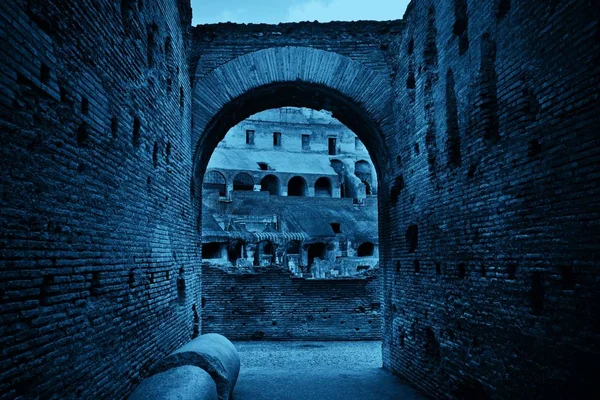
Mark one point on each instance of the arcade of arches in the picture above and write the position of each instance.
(480, 119)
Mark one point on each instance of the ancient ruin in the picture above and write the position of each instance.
(480, 119)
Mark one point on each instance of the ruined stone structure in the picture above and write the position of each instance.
(271, 196)
(481, 120)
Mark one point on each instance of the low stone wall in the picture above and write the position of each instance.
(272, 304)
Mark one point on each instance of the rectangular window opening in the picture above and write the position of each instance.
(276, 139)
(305, 142)
(249, 137)
(332, 146)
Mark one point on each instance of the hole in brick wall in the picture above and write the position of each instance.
(195, 322)
(95, 284)
(80, 167)
(44, 74)
(567, 277)
(181, 97)
(453, 136)
(461, 24)
(412, 237)
(511, 271)
(402, 339)
(410, 81)
(155, 155)
(417, 149)
(398, 265)
(397, 187)
(82, 134)
(169, 85)
(461, 270)
(203, 302)
(488, 96)
(535, 148)
(114, 127)
(399, 161)
(63, 94)
(538, 293)
(149, 181)
(483, 270)
(411, 46)
(45, 290)
(131, 278)
(168, 151)
(417, 265)
(432, 346)
(181, 285)
(127, 12)
(136, 132)
(502, 8)
(438, 268)
(431, 146)
(168, 48)
(85, 106)
(430, 53)
(151, 43)
(472, 170)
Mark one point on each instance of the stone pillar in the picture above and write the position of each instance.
(310, 192)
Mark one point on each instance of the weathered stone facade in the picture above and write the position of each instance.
(481, 118)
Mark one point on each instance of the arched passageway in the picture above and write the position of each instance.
(297, 186)
(362, 169)
(214, 180)
(365, 249)
(323, 187)
(270, 183)
(243, 182)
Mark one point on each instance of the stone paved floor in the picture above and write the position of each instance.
(316, 371)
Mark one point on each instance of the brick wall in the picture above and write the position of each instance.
(497, 152)
(273, 304)
(99, 259)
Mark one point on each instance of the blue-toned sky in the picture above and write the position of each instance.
(275, 11)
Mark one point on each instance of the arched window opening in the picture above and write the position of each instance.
(264, 254)
(365, 249)
(214, 180)
(316, 250)
(362, 170)
(297, 186)
(235, 251)
(243, 181)
(323, 188)
(270, 183)
(211, 250)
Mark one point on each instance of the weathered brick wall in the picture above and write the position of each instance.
(366, 42)
(273, 304)
(99, 256)
(493, 290)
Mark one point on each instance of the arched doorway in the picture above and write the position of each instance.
(270, 183)
(214, 180)
(316, 250)
(243, 182)
(365, 249)
(323, 187)
(362, 169)
(297, 186)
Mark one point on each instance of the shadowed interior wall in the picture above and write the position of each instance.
(100, 263)
(496, 293)
(272, 304)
